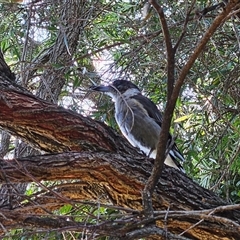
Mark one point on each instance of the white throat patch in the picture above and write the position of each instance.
(127, 94)
(131, 92)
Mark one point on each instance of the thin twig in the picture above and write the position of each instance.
(172, 102)
(139, 37)
(184, 26)
(168, 43)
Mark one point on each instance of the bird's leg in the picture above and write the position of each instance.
(170, 144)
(140, 151)
(150, 152)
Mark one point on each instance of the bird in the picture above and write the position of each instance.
(140, 120)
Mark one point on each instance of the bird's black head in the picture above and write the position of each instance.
(118, 87)
(123, 85)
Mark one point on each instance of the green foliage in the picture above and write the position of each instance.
(206, 114)
(206, 119)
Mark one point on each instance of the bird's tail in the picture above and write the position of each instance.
(177, 157)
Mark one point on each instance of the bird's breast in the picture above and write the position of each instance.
(136, 125)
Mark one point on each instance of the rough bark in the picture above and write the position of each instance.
(119, 179)
(52, 128)
(61, 53)
(52, 80)
(105, 165)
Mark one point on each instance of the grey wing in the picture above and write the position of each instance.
(151, 108)
(154, 113)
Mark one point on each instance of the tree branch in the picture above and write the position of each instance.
(119, 179)
(171, 103)
(159, 161)
(52, 128)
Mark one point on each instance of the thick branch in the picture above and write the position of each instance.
(120, 178)
(125, 174)
(52, 128)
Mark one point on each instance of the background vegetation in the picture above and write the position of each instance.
(58, 49)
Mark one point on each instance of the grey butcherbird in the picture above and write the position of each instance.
(139, 120)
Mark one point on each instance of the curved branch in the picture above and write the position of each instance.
(52, 128)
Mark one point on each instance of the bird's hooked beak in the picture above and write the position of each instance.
(109, 90)
(101, 88)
